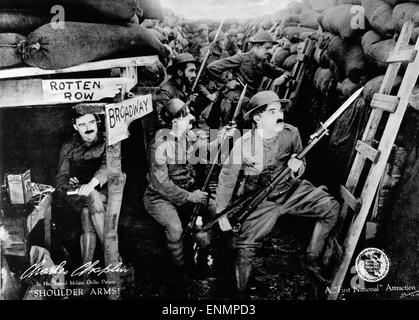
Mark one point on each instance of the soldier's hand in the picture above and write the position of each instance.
(232, 84)
(294, 164)
(85, 189)
(249, 161)
(224, 224)
(282, 79)
(198, 196)
(229, 131)
(192, 97)
(74, 183)
(212, 97)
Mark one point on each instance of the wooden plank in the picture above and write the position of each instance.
(368, 193)
(367, 151)
(353, 203)
(385, 102)
(29, 92)
(407, 55)
(89, 66)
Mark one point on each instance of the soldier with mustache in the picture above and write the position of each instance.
(261, 153)
(82, 167)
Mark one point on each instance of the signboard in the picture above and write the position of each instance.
(78, 90)
(120, 115)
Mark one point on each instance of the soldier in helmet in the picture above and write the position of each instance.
(261, 153)
(249, 68)
(172, 191)
(232, 42)
(208, 86)
(199, 41)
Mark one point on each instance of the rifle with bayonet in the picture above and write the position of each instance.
(239, 211)
(195, 213)
(206, 57)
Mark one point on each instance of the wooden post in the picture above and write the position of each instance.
(116, 183)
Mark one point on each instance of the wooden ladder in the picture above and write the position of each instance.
(396, 107)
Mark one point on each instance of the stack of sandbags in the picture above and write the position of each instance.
(377, 49)
(349, 57)
(122, 10)
(379, 15)
(21, 21)
(9, 49)
(340, 21)
(79, 42)
(280, 55)
(322, 5)
(407, 12)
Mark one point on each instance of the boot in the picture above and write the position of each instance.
(312, 260)
(242, 281)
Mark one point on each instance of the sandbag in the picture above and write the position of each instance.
(338, 21)
(379, 14)
(80, 42)
(324, 80)
(290, 62)
(279, 56)
(396, 2)
(9, 49)
(118, 10)
(290, 20)
(295, 7)
(346, 88)
(308, 18)
(406, 12)
(22, 22)
(295, 32)
(373, 86)
(322, 5)
(152, 9)
(349, 57)
(376, 49)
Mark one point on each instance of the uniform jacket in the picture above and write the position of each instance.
(270, 157)
(169, 89)
(82, 160)
(171, 174)
(248, 67)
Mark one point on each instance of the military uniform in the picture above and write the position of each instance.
(291, 196)
(170, 89)
(84, 161)
(171, 179)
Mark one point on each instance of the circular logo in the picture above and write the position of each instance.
(372, 264)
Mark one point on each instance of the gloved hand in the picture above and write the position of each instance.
(295, 164)
(224, 224)
(232, 84)
(197, 196)
(212, 97)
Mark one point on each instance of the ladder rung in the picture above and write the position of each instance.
(367, 151)
(385, 102)
(407, 55)
(353, 203)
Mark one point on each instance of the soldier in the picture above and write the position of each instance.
(199, 41)
(172, 191)
(208, 86)
(249, 68)
(232, 42)
(82, 166)
(274, 143)
(183, 70)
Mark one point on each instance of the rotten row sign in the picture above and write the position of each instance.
(77, 90)
(120, 115)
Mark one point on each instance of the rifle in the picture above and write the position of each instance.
(195, 212)
(239, 211)
(206, 57)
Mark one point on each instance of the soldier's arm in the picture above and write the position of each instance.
(272, 71)
(228, 177)
(162, 99)
(297, 147)
(159, 177)
(219, 66)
